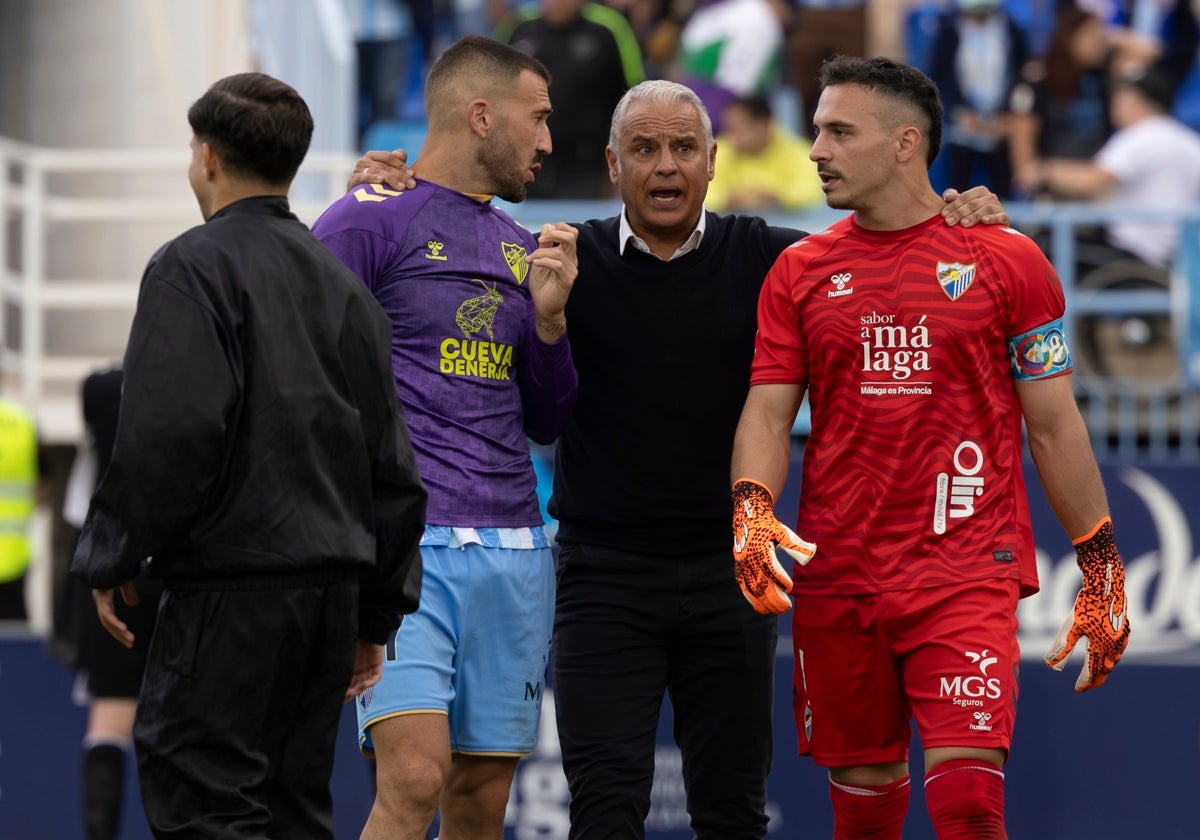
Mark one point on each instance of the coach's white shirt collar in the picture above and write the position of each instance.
(627, 237)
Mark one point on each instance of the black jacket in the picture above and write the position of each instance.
(663, 351)
(260, 440)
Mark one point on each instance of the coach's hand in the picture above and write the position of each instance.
(756, 533)
(368, 668)
(978, 205)
(1101, 611)
(390, 168)
(106, 609)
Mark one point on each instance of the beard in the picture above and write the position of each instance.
(498, 156)
(841, 202)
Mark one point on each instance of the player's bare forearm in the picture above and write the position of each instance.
(762, 444)
(1062, 452)
(1070, 478)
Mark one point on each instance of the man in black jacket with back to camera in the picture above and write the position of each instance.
(262, 463)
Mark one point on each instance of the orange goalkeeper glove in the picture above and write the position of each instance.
(756, 533)
(1101, 610)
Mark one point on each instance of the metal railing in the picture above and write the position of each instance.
(59, 204)
(61, 207)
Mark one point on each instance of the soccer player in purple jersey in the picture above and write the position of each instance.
(922, 349)
(482, 364)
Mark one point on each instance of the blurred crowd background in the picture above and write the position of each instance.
(1020, 79)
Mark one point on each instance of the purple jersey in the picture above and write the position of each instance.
(473, 376)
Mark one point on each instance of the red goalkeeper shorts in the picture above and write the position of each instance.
(866, 665)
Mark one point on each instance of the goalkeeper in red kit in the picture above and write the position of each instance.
(923, 350)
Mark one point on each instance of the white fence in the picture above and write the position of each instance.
(78, 229)
(80, 225)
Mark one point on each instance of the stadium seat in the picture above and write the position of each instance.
(396, 134)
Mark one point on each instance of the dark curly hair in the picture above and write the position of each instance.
(896, 81)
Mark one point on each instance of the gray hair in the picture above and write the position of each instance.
(658, 92)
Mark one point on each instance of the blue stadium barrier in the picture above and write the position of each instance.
(1119, 762)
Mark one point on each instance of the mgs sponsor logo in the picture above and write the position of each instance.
(971, 689)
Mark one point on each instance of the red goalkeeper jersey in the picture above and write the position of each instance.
(909, 343)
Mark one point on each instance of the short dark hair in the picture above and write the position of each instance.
(755, 105)
(257, 125)
(484, 58)
(1151, 82)
(896, 81)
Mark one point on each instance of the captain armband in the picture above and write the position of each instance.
(1039, 353)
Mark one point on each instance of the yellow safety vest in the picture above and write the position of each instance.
(18, 487)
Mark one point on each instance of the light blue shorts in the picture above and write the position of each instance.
(475, 649)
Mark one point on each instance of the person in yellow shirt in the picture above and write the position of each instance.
(763, 165)
(18, 497)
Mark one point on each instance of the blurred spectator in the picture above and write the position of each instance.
(593, 58)
(976, 62)
(731, 48)
(394, 42)
(1151, 160)
(1060, 107)
(1149, 30)
(656, 25)
(19, 472)
(763, 164)
(109, 676)
(817, 30)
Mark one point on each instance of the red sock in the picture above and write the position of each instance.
(869, 812)
(965, 798)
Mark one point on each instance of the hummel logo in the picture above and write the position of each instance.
(840, 281)
(981, 722)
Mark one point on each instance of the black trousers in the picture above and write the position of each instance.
(628, 628)
(237, 720)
